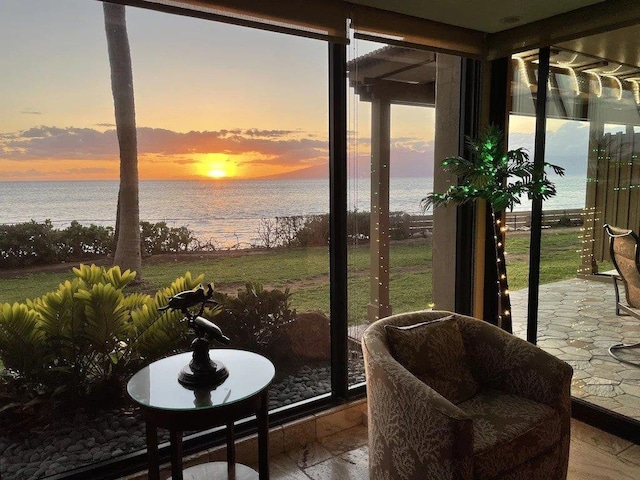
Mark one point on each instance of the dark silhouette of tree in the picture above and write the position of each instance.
(500, 178)
(127, 253)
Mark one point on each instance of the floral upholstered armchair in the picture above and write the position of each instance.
(452, 397)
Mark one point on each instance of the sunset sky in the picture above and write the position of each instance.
(212, 100)
(209, 97)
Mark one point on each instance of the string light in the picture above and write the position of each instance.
(617, 80)
(565, 64)
(574, 78)
(636, 89)
(599, 93)
(523, 71)
(611, 71)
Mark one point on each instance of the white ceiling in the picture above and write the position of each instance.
(488, 16)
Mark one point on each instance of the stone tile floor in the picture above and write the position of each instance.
(577, 323)
(595, 455)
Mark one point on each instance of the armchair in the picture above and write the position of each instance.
(505, 414)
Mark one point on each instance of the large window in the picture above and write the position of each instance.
(232, 155)
(235, 130)
(391, 158)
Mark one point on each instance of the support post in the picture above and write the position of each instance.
(447, 144)
(379, 306)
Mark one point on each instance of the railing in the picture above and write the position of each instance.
(422, 225)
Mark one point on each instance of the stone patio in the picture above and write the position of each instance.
(577, 323)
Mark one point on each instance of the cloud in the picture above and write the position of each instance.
(30, 111)
(288, 149)
(274, 147)
(567, 146)
(32, 172)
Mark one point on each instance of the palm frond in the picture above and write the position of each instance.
(22, 343)
(500, 177)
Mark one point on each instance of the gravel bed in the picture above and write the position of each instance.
(98, 435)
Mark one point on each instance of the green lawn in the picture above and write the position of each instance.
(306, 272)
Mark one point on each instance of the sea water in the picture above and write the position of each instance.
(226, 212)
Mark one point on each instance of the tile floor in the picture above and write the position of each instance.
(577, 323)
(595, 455)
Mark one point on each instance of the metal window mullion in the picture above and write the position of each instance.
(338, 218)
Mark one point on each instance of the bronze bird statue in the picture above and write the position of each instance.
(189, 298)
(203, 326)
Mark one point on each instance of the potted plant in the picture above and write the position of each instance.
(501, 178)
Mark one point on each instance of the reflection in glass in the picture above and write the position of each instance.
(592, 119)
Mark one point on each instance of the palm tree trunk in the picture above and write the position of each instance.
(127, 254)
(504, 300)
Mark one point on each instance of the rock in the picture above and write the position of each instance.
(308, 336)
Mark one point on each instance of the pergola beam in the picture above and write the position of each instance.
(420, 94)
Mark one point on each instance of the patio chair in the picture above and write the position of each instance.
(451, 397)
(623, 250)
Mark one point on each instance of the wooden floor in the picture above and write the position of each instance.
(595, 455)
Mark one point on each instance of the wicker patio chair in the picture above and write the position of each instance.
(624, 251)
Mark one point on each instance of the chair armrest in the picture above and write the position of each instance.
(414, 432)
(503, 361)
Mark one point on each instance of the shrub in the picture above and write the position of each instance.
(311, 230)
(253, 318)
(156, 238)
(30, 243)
(314, 232)
(81, 242)
(399, 226)
(89, 335)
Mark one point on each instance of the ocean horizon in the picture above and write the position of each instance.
(226, 212)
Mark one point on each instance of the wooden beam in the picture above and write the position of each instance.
(397, 28)
(399, 92)
(590, 20)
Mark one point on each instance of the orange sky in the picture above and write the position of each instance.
(212, 100)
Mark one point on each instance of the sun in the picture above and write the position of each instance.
(216, 173)
(215, 166)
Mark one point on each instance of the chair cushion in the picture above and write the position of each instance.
(434, 352)
(508, 430)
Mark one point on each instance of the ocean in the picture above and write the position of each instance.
(228, 212)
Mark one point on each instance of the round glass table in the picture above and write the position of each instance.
(167, 404)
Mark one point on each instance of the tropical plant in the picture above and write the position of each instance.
(89, 335)
(254, 317)
(159, 238)
(501, 178)
(127, 251)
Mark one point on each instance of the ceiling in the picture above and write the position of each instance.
(615, 38)
(480, 14)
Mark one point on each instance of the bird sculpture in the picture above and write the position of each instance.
(202, 371)
(189, 298)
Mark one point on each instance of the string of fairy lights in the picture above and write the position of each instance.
(504, 300)
(616, 76)
(614, 166)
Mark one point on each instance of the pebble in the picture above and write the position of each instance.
(87, 438)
